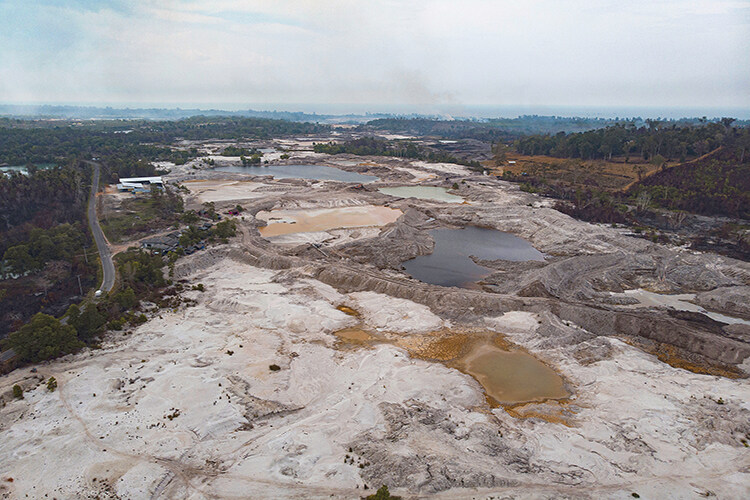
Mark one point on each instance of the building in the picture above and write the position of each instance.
(8, 361)
(162, 244)
(140, 184)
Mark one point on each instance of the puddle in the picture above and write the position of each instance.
(306, 221)
(353, 335)
(313, 172)
(512, 377)
(422, 193)
(450, 264)
(508, 376)
(679, 302)
(348, 310)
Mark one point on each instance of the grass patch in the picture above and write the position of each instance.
(141, 216)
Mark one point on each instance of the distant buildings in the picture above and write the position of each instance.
(140, 184)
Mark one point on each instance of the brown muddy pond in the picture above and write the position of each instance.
(322, 219)
(353, 335)
(508, 377)
(511, 377)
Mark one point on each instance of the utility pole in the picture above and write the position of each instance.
(79, 284)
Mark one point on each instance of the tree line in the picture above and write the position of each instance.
(27, 141)
(672, 142)
(375, 146)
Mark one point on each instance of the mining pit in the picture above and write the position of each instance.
(314, 366)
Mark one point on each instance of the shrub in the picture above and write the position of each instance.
(17, 392)
(274, 368)
(138, 319)
(115, 324)
(51, 384)
(383, 494)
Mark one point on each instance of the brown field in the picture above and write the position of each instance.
(613, 175)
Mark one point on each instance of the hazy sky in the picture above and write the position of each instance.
(419, 53)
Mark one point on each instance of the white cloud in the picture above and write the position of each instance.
(421, 52)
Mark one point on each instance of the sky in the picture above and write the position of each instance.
(374, 55)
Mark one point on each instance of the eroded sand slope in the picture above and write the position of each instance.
(168, 412)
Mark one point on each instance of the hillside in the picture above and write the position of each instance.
(717, 184)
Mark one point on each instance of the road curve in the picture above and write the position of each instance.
(105, 255)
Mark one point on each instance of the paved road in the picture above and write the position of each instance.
(108, 267)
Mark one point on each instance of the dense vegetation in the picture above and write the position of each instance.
(43, 239)
(46, 337)
(374, 146)
(504, 128)
(61, 242)
(23, 141)
(712, 184)
(444, 129)
(669, 142)
(41, 199)
(43, 338)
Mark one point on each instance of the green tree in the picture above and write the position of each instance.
(225, 229)
(73, 313)
(42, 338)
(126, 299)
(89, 323)
(190, 217)
(382, 494)
(190, 236)
(17, 392)
(210, 210)
(19, 260)
(51, 384)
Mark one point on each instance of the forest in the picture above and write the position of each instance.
(494, 129)
(24, 141)
(669, 141)
(374, 146)
(44, 240)
(712, 178)
(42, 199)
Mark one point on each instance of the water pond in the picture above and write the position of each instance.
(422, 193)
(313, 172)
(450, 264)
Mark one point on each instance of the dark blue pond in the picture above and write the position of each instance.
(450, 265)
(314, 172)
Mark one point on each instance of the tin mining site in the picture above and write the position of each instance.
(385, 321)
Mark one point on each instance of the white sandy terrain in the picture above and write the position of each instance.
(331, 237)
(445, 168)
(186, 406)
(419, 175)
(281, 222)
(219, 190)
